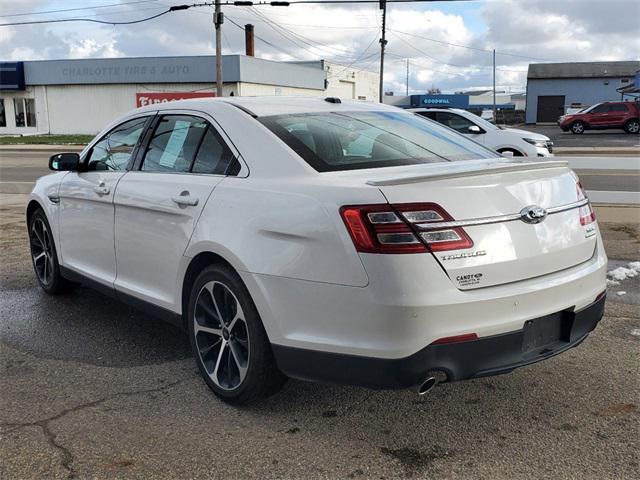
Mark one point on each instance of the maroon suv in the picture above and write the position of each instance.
(624, 115)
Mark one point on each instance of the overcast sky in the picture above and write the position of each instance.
(448, 44)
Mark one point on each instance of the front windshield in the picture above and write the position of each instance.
(331, 141)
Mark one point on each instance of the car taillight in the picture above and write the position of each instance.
(587, 215)
(400, 228)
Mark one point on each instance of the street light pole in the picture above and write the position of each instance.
(218, 19)
(383, 44)
(407, 77)
(495, 115)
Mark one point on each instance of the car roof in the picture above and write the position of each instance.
(275, 105)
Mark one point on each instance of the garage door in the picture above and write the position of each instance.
(346, 90)
(550, 107)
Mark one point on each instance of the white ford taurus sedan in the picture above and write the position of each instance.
(324, 240)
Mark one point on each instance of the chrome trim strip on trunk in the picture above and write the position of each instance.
(497, 219)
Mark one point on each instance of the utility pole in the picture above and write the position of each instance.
(383, 44)
(407, 77)
(218, 20)
(495, 115)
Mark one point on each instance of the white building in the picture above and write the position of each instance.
(82, 96)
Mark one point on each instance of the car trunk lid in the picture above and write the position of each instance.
(524, 219)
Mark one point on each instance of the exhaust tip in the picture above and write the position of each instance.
(427, 385)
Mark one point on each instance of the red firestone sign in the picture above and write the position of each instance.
(143, 99)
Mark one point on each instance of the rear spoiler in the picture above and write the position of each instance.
(462, 169)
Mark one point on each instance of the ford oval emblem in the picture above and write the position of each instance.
(533, 214)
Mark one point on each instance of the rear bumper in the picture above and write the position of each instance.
(492, 355)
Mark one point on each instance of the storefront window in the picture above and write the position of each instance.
(25, 109)
(3, 116)
(30, 105)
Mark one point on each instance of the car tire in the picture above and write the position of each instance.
(44, 256)
(229, 342)
(632, 126)
(578, 128)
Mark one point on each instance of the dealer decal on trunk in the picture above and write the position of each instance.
(471, 279)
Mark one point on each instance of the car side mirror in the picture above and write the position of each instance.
(474, 129)
(64, 162)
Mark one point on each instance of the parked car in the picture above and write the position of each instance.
(502, 140)
(323, 240)
(605, 115)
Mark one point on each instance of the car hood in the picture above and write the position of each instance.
(527, 134)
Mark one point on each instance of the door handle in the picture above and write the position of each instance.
(101, 189)
(185, 200)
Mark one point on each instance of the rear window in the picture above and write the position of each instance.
(618, 107)
(356, 140)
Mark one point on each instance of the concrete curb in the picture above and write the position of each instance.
(634, 151)
(617, 213)
(41, 148)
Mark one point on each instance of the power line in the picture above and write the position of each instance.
(360, 58)
(29, 14)
(298, 37)
(267, 42)
(93, 20)
(468, 47)
(453, 64)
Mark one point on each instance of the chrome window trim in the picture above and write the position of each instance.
(496, 219)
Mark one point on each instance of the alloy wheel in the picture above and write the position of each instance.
(633, 127)
(221, 335)
(578, 127)
(42, 251)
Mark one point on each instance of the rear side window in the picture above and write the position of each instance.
(331, 141)
(174, 144)
(618, 107)
(214, 156)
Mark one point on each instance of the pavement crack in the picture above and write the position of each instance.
(45, 424)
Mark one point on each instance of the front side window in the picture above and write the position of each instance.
(3, 115)
(115, 149)
(356, 140)
(603, 108)
(25, 110)
(174, 144)
(457, 122)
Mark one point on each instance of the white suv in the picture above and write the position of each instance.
(502, 140)
(323, 240)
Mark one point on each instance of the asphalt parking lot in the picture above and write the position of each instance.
(90, 388)
(590, 138)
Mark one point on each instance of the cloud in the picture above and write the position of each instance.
(567, 30)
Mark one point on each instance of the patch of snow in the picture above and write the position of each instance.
(622, 273)
(621, 292)
(635, 332)
(611, 283)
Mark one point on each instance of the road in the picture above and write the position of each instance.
(591, 138)
(28, 166)
(90, 388)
